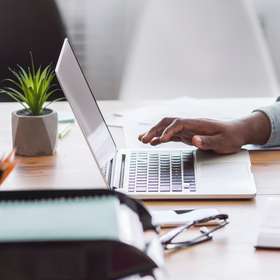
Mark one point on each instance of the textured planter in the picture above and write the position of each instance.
(34, 135)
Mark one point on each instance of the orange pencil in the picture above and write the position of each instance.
(7, 165)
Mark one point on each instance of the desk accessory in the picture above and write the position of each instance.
(34, 127)
(7, 165)
(64, 129)
(66, 121)
(66, 118)
(75, 234)
(171, 218)
(167, 239)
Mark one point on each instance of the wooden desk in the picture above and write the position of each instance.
(231, 255)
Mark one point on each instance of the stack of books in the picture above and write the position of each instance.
(7, 164)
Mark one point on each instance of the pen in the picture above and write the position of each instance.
(63, 121)
(118, 115)
(64, 131)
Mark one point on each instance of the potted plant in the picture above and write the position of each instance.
(34, 127)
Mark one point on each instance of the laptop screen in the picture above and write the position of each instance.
(84, 106)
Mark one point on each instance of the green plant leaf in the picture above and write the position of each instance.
(14, 91)
(32, 87)
(15, 97)
(13, 82)
(56, 100)
(32, 63)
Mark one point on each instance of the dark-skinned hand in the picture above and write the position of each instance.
(223, 137)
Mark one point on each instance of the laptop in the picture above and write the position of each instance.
(150, 173)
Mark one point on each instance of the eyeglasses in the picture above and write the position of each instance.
(205, 233)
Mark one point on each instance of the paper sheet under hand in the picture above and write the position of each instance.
(260, 148)
(186, 107)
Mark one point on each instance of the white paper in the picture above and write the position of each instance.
(260, 148)
(269, 232)
(171, 218)
(66, 117)
(185, 107)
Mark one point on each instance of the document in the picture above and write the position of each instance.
(187, 107)
(171, 218)
(260, 148)
(269, 232)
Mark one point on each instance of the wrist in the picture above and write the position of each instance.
(255, 129)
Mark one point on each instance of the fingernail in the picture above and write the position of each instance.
(144, 137)
(155, 141)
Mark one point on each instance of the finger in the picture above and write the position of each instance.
(172, 130)
(190, 127)
(184, 136)
(156, 130)
(183, 140)
(141, 136)
(207, 142)
(155, 141)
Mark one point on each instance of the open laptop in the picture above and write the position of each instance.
(150, 174)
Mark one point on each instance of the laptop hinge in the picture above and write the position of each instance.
(122, 171)
(111, 172)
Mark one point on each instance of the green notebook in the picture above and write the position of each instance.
(68, 219)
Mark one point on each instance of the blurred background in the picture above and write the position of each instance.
(168, 48)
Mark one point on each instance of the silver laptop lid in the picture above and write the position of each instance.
(84, 106)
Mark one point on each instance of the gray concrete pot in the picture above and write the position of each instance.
(34, 135)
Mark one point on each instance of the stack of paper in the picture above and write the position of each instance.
(269, 232)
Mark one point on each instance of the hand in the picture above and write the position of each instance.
(218, 136)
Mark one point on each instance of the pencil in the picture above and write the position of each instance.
(7, 166)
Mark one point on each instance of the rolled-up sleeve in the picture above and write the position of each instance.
(273, 113)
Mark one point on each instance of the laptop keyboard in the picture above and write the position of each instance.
(162, 172)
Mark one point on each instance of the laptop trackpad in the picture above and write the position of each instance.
(219, 174)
